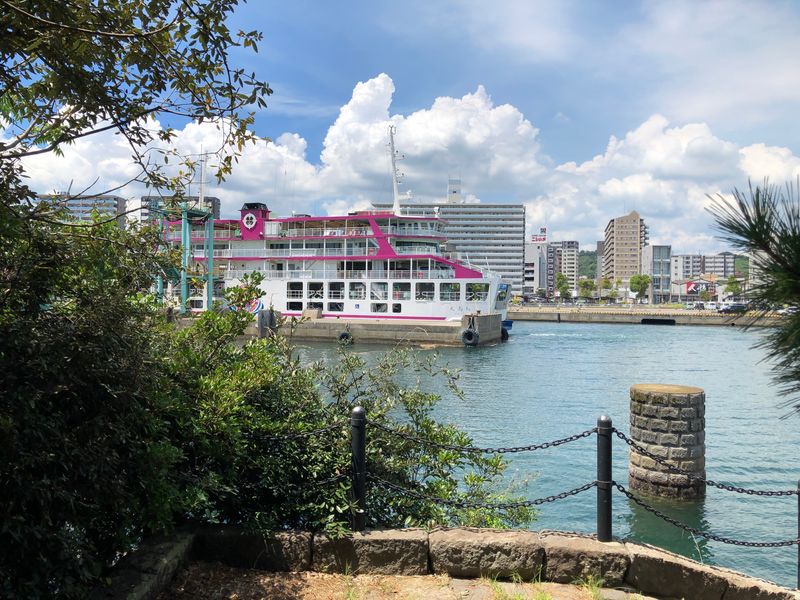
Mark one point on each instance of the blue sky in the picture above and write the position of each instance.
(580, 110)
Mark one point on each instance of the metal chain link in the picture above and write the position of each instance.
(698, 532)
(467, 504)
(298, 435)
(469, 449)
(640, 450)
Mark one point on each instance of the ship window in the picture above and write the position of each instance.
(313, 305)
(294, 289)
(335, 306)
(379, 307)
(450, 292)
(477, 292)
(425, 291)
(379, 290)
(294, 306)
(358, 290)
(336, 290)
(315, 289)
(396, 308)
(401, 291)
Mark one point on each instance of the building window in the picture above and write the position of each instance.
(379, 307)
(313, 305)
(294, 306)
(335, 306)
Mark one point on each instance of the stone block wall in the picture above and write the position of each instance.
(459, 552)
(668, 421)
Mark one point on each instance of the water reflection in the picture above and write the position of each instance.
(644, 526)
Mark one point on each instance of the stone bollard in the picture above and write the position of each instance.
(669, 422)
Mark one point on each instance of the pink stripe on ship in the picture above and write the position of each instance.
(340, 315)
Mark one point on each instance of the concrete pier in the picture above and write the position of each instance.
(669, 422)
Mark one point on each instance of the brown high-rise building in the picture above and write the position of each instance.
(622, 247)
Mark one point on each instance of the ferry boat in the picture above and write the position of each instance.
(367, 264)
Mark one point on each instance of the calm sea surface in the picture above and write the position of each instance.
(553, 380)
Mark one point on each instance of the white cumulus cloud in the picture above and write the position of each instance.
(665, 171)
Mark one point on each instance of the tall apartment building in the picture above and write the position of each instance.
(722, 265)
(81, 208)
(489, 236)
(534, 268)
(622, 247)
(687, 266)
(656, 262)
(562, 257)
(151, 205)
(601, 245)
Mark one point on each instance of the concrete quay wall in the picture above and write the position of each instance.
(457, 552)
(637, 315)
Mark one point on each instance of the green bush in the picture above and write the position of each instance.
(115, 425)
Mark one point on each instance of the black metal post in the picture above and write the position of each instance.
(604, 430)
(358, 446)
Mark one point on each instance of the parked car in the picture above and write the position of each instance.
(699, 306)
(711, 306)
(736, 308)
(789, 310)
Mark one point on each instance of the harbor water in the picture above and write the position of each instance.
(553, 380)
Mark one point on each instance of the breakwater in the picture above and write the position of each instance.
(639, 315)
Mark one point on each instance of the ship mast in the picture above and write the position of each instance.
(395, 175)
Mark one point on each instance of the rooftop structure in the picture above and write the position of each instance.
(82, 207)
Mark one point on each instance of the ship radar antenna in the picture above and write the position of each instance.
(396, 175)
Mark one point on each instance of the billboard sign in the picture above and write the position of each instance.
(541, 237)
(698, 287)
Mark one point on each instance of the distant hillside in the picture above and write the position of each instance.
(587, 264)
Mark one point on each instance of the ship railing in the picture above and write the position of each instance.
(408, 231)
(417, 250)
(325, 232)
(336, 294)
(449, 296)
(424, 296)
(294, 294)
(285, 252)
(331, 274)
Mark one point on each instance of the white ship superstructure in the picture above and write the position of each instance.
(371, 264)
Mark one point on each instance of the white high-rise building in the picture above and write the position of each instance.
(488, 236)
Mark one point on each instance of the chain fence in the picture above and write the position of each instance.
(486, 505)
(699, 532)
(476, 449)
(694, 476)
(604, 482)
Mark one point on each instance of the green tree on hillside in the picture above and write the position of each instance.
(764, 222)
(587, 264)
